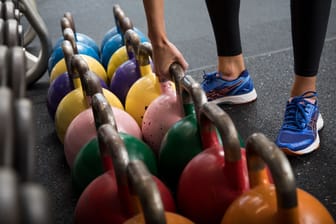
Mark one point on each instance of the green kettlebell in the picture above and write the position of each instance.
(89, 162)
(182, 141)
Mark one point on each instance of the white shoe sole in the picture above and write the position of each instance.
(239, 99)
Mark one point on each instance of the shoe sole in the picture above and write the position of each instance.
(314, 146)
(239, 99)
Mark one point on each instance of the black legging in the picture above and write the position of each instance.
(309, 20)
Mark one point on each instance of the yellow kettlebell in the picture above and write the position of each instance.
(145, 89)
(94, 65)
(86, 85)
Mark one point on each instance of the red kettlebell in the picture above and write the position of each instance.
(280, 202)
(164, 111)
(213, 179)
(107, 198)
(147, 198)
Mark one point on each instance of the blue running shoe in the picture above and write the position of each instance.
(299, 132)
(238, 91)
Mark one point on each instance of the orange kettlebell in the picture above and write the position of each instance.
(280, 202)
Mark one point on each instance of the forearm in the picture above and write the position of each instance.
(154, 10)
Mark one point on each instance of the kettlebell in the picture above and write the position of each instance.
(63, 84)
(117, 41)
(204, 194)
(146, 88)
(182, 140)
(128, 72)
(79, 37)
(57, 54)
(87, 165)
(118, 14)
(83, 125)
(79, 99)
(281, 202)
(164, 111)
(147, 198)
(93, 63)
(107, 198)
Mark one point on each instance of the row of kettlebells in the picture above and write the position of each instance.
(189, 143)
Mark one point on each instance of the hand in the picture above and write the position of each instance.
(164, 55)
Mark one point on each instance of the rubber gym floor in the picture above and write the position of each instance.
(266, 39)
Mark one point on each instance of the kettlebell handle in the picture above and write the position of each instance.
(132, 42)
(118, 14)
(102, 111)
(71, 20)
(113, 146)
(143, 186)
(211, 115)
(89, 81)
(68, 34)
(145, 52)
(261, 151)
(68, 52)
(191, 90)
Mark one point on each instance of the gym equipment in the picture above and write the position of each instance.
(145, 191)
(128, 72)
(182, 141)
(79, 37)
(84, 125)
(79, 99)
(63, 84)
(17, 189)
(87, 165)
(93, 64)
(164, 111)
(205, 194)
(81, 48)
(281, 202)
(146, 88)
(107, 199)
(117, 41)
(36, 65)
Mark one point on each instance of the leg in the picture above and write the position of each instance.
(231, 82)
(299, 132)
(309, 25)
(224, 16)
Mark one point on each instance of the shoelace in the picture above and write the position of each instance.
(296, 112)
(207, 78)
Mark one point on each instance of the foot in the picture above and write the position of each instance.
(299, 132)
(238, 91)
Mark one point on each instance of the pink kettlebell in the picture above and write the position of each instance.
(82, 129)
(164, 111)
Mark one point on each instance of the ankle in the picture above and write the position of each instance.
(230, 67)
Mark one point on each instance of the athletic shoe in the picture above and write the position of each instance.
(238, 91)
(299, 132)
